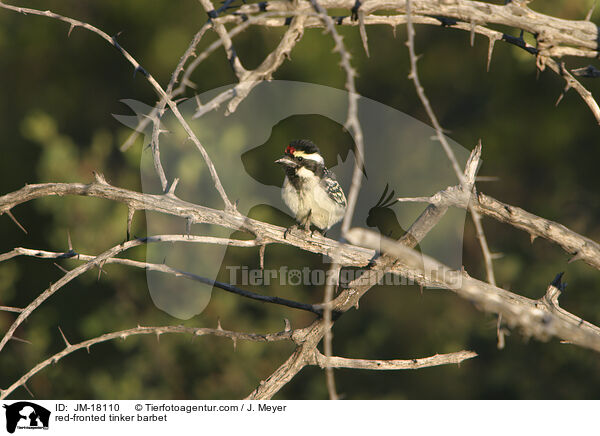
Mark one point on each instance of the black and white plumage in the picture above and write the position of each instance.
(310, 190)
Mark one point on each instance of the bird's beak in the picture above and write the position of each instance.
(286, 161)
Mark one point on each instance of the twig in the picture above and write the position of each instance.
(414, 76)
(11, 309)
(227, 43)
(352, 121)
(334, 271)
(467, 183)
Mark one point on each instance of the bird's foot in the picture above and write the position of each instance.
(292, 229)
(316, 232)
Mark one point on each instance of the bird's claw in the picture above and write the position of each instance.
(290, 229)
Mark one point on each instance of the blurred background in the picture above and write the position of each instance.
(57, 98)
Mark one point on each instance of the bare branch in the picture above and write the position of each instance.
(584, 248)
(220, 29)
(414, 76)
(264, 232)
(334, 270)
(124, 334)
(424, 362)
(535, 317)
(352, 121)
(579, 246)
(316, 309)
(470, 15)
(11, 309)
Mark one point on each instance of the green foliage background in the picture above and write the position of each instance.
(57, 94)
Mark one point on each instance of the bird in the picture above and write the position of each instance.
(310, 190)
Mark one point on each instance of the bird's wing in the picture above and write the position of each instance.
(333, 188)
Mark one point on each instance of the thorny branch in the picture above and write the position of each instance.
(163, 268)
(467, 181)
(139, 330)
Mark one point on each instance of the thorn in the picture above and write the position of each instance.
(500, 333)
(562, 94)
(356, 305)
(219, 324)
(472, 33)
(87, 347)
(589, 71)
(363, 32)
(157, 336)
(487, 178)
(27, 389)
(576, 257)
(262, 257)
(99, 178)
(234, 340)
(130, 212)
(421, 288)
(100, 270)
(490, 50)
(288, 325)
(394, 31)
(171, 191)
(70, 30)
(189, 84)
(64, 270)
(532, 237)
(588, 16)
(69, 240)
(12, 217)
(495, 256)
(64, 337)
(15, 338)
(141, 70)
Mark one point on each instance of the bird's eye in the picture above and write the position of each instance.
(300, 158)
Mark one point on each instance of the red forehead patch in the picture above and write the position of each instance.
(290, 150)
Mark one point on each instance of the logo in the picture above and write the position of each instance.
(26, 415)
(402, 161)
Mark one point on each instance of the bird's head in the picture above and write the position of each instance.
(302, 158)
